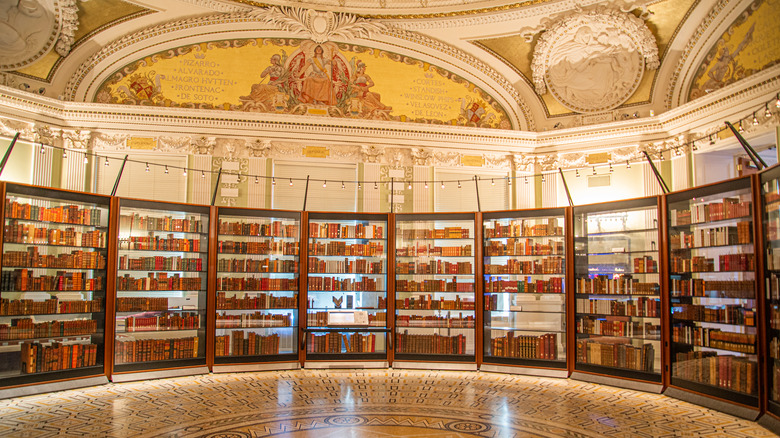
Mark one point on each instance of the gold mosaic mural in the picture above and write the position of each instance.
(293, 76)
(751, 44)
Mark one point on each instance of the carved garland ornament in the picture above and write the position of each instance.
(593, 60)
(318, 26)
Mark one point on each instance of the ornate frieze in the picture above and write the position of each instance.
(319, 26)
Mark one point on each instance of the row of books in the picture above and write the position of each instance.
(48, 307)
(726, 263)
(547, 265)
(33, 259)
(427, 302)
(148, 350)
(364, 284)
(616, 355)
(554, 285)
(339, 231)
(140, 304)
(640, 306)
(15, 232)
(693, 264)
(24, 280)
(371, 249)
(611, 327)
(27, 328)
(260, 248)
(645, 264)
(730, 372)
(336, 342)
(525, 346)
(527, 247)
(728, 208)
(256, 284)
(241, 343)
(618, 285)
(157, 243)
(162, 322)
(39, 358)
(433, 286)
(63, 214)
(719, 236)
(273, 229)
(135, 221)
(253, 320)
(158, 281)
(728, 314)
(697, 287)
(433, 267)
(428, 250)
(258, 301)
(160, 263)
(320, 318)
(360, 266)
(523, 228)
(774, 316)
(436, 321)
(263, 265)
(714, 338)
(431, 344)
(435, 233)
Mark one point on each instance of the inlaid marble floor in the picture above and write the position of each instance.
(381, 403)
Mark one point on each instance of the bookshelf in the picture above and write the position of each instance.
(257, 282)
(712, 291)
(53, 294)
(770, 192)
(435, 288)
(618, 310)
(161, 287)
(346, 301)
(524, 286)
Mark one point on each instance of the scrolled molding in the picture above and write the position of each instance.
(76, 138)
(319, 26)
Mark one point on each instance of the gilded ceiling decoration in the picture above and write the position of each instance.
(750, 44)
(293, 76)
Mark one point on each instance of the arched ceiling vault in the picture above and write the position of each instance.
(534, 65)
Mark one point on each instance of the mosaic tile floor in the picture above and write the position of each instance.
(381, 403)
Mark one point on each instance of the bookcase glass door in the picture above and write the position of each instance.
(435, 287)
(52, 299)
(346, 308)
(770, 185)
(524, 288)
(257, 285)
(617, 286)
(162, 258)
(712, 288)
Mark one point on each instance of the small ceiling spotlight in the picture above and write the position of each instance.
(106, 162)
(166, 169)
(325, 184)
(147, 167)
(342, 185)
(273, 181)
(577, 173)
(594, 170)
(628, 164)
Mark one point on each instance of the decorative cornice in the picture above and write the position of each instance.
(318, 26)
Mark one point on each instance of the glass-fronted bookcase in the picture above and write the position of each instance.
(618, 292)
(713, 292)
(161, 288)
(53, 290)
(435, 294)
(346, 297)
(257, 287)
(524, 287)
(770, 192)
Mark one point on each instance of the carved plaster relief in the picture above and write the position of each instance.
(76, 139)
(29, 29)
(593, 60)
(319, 26)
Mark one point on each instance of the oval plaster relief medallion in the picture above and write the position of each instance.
(28, 30)
(593, 61)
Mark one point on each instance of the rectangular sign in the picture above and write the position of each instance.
(472, 160)
(316, 151)
(599, 158)
(145, 143)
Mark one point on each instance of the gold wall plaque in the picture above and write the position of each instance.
(146, 143)
(472, 160)
(316, 152)
(602, 157)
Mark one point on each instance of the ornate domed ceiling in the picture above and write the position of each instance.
(531, 65)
